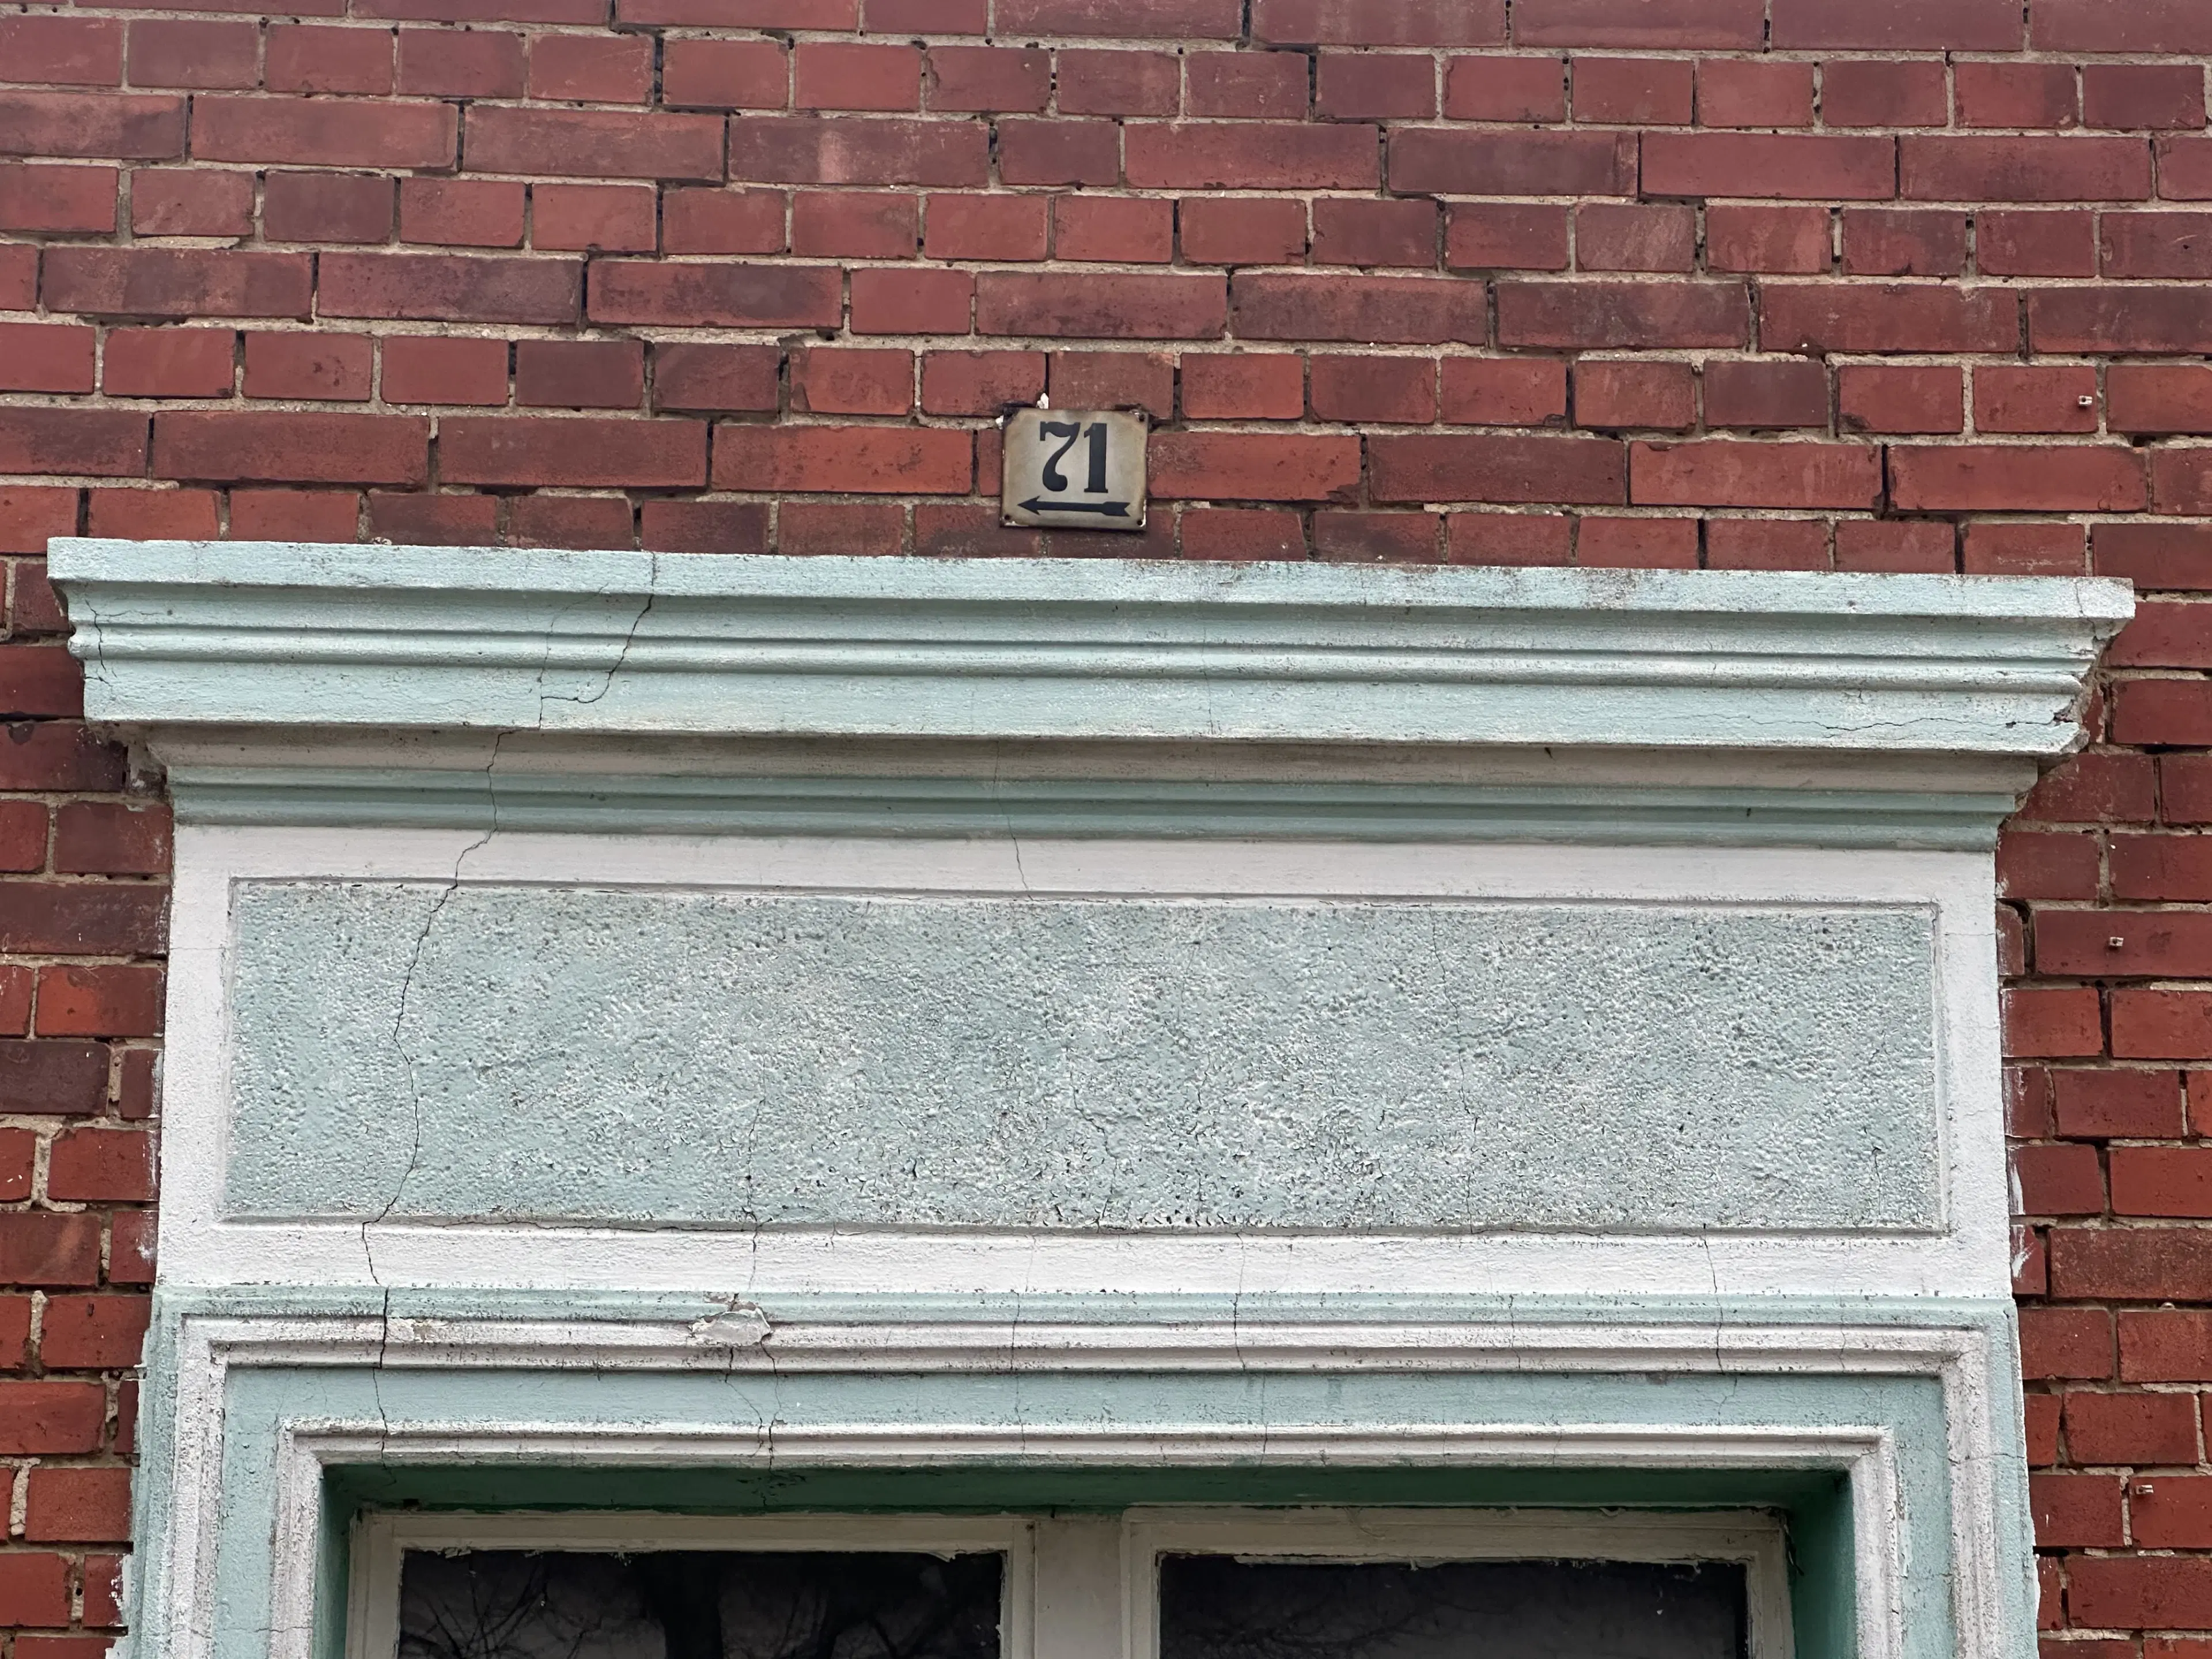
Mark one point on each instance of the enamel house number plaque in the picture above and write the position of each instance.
(1075, 469)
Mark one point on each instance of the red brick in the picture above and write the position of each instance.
(294, 515)
(39, 1249)
(732, 295)
(601, 143)
(1766, 392)
(2140, 95)
(1766, 544)
(1104, 306)
(1622, 314)
(189, 52)
(335, 134)
(805, 149)
(2162, 1181)
(1897, 25)
(2159, 398)
(103, 1574)
(1628, 544)
(1789, 240)
(315, 58)
(155, 514)
(1511, 538)
(1012, 227)
(1613, 236)
(2162, 1023)
(1255, 232)
(1376, 538)
(1242, 533)
(604, 218)
(579, 373)
(1728, 474)
(1506, 236)
(835, 75)
(1505, 392)
(1869, 92)
(2024, 550)
(333, 366)
(2172, 1512)
(199, 202)
(46, 357)
(1792, 166)
(2184, 168)
(1899, 400)
(2031, 866)
(2059, 398)
(160, 282)
(23, 825)
(979, 382)
(1250, 85)
(1243, 386)
(1497, 468)
(1353, 232)
(2051, 1022)
(326, 207)
(724, 75)
(1120, 82)
(2013, 94)
(92, 1333)
(439, 369)
(1620, 395)
(2181, 479)
(2024, 169)
(34, 1589)
(1114, 380)
(1193, 20)
(2077, 1510)
(2088, 787)
(1211, 156)
(449, 288)
(853, 224)
(840, 527)
(848, 380)
(288, 447)
(1633, 91)
(62, 51)
(2129, 1104)
(1121, 230)
(1732, 92)
(1893, 242)
(1255, 466)
(580, 521)
(40, 1419)
(1682, 24)
(1381, 22)
(1440, 160)
(2092, 478)
(58, 755)
(718, 377)
(704, 526)
(988, 78)
(573, 452)
(2130, 1428)
(98, 442)
(591, 69)
(2058, 1179)
(931, 16)
(72, 1505)
(840, 15)
(2158, 319)
(134, 127)
(461, 212)
(963, 529)
(1882, 317)
(2169, 1345)
(473, 62)
(844, 460)
(2121, 26)
(1375, 87)
(1505, 89)
(912, 302)
(31, 513)
(102, 1166)
(1384, 389)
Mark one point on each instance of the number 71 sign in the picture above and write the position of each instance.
(1074, 469)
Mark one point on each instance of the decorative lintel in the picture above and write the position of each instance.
(266, 634)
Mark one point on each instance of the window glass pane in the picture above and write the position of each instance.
(1216, 1606)
(697, 1604)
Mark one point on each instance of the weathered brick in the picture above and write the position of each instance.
(1797, 166)
(873, 461)
(2023, 169)
(598, 143)
(493, 449)
(812, 150)
(1623, 314)
(1473, 467)
(1381, 22)
(1724, 473)
(291, 447)
(1101, 307)
(1437, 161)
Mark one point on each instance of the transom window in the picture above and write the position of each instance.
(1163, 1583)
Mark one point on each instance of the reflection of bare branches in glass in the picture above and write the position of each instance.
(1215, 1607)
(685, 1604)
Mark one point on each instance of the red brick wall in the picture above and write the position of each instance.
(1861, 285)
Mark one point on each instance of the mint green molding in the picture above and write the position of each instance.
(273, 635)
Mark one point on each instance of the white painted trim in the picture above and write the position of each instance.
(1958, 1357)
(1384, 1534)
(382, 1536)
(199, 1246)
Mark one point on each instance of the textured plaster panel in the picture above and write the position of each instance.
(735, 1058)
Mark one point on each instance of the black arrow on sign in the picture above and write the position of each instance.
(1111, 509)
